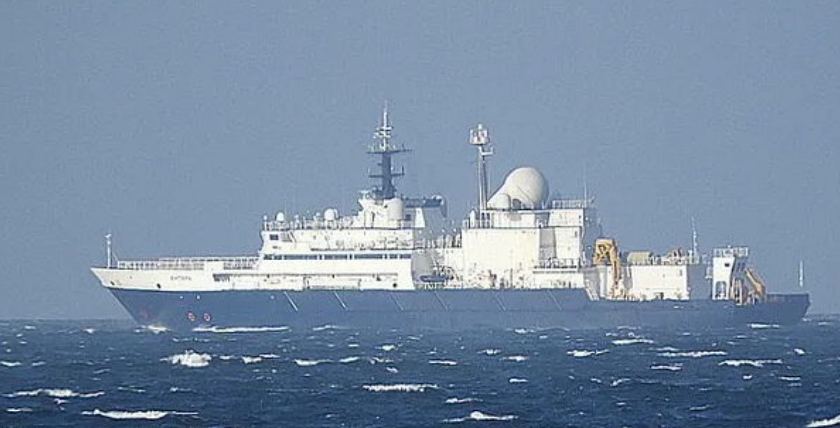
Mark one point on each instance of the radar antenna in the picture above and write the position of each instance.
(480, 138)
(108, 251)
(385, 149)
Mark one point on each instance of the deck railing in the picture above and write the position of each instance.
(188, 263)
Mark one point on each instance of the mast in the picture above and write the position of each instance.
(108, 251)
(480, 138)
(385, 149)
(801, 274)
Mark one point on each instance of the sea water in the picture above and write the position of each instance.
(55, 374)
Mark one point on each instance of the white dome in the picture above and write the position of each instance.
(330, 214)
(281, 217)
(524, 188)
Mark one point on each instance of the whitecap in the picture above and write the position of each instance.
(215, 329)
(156, 329)
(669, 367)
(227, 357)
(251, 360)
(758, 326)
(380, 360)
(38, 363)
(326, 327)
(753, 363)
(10, 363)
(151, 415)
(352, 345)
(633, 341)
(29, 327)
(479, 416)
(443, 362)
(619, 381)
(523, 330)
(18, 410)
(89, 330)
(456, 400)
(798, 351)
(392, 370)
(692, 354)
(309, 363)
(517, 380)
(824, 422)
(400, 387)
(348, 360)
(699, 408)
(388, 347)
(490, 351)
(790, 378)
(55, 393)
(516, 358)
(581, 353)
(189, 359)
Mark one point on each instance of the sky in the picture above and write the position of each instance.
(176, 126)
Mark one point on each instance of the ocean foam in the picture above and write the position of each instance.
(54, 393)
(753, 363)
(326, 327)
(581, 353)
(633, 341)
(388, 347)
(151, 415)
(479, 416)
(456, 400)
(400, 387)
(516, 358)
(790, 378)
(619, 381)
(309, 363)
(215, 329)
(18, 410)
(798, 351)
(693, 354)
(443, 362)
(524, 331)
(251, 360)
(758, 326)
(490, 351)
(517, 380)
(189, 358)
(824, 422)
(90, 330)
(348, 360)
(156, 329)
(10, 363)
(669, 367)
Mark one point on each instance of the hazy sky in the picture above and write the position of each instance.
(177, 125)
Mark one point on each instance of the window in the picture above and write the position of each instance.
(274, 237)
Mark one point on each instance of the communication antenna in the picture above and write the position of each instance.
(384, 149)
(108, 251)
(480, 138)
(694, 246)
(801, 274)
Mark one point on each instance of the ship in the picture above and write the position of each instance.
(517, 259)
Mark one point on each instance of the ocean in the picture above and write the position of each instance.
(113, 373)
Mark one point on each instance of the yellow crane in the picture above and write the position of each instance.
(758, 291)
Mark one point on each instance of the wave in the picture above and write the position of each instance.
(758, 326)
(456, 400)
(18, 410)
(753, 363)
(619, 381)
(89, 330)
(790, 378)
(489, 351)
(380, 360)
(517, 380)
(633, 341)
(54, 393)
(693, 354)
(443, 362)
(824, 422)
(670, 367)
(348, 360)
(38, 363)
(150, 415)
(392, 370)
(189, 358)
(388, 347)
(798, 351)
(251, 360)
(309, 363)
(524, 330)
(326, 327)
(10, 363)
(215, 329)
(479, 416)
(581, 353)
(156, 329)
(516, 358)
(400, 387)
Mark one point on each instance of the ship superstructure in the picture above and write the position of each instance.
(518, 253)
